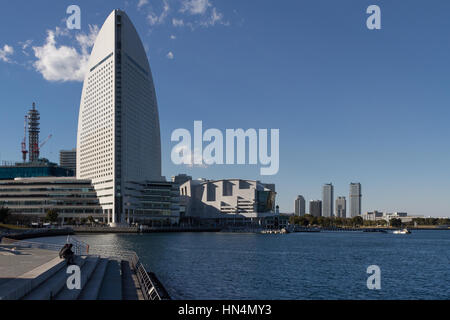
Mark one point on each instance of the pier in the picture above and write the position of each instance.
(34, 271)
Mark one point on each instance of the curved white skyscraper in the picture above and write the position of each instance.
(118, 141)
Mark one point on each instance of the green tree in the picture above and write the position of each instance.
(357, 221)
(313, 220)
(52, 216)
(91, 219)
(396, 223)
(303, 221)
(4, 214)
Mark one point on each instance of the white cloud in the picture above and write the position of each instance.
(195, 6)
(190, 159)
(142, 3)
(26, 44)
(6, 52)
(87, 41)
(64, 63)
(170, 55)
(172, 37)
(189, 13)
(177, 22)
(155, 19)
(215, 17)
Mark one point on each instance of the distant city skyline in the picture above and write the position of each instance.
(215, 65)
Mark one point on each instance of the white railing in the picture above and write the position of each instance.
(79, 247)
(148, 287)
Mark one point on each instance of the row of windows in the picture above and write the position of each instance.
(96, 138)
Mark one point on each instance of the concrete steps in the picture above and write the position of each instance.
(101, 279)
(91, 290)
(129, 283)
(111, 288)
(86, 273)
(49, 289)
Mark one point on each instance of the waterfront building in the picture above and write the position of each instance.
(41, 168)
(71, 198)
(315, 208)
(355, 199)
(181, 178)
(327, 200)
(373, 216)
(300, 206)
(228, 201)
(68, 159)
(155, 203)
(341, 207)
(377, 215)
(118, 143)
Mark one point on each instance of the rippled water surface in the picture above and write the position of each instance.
(294, 266)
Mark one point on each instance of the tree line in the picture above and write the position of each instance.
(309, 220)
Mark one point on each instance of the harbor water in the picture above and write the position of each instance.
(326, 265)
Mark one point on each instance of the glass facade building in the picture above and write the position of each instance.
(300, 206)
(327, 200)
(70, 198)
(34, 169)
(355, 199)
(68, 159)
(157, 203)
(315, 208)
(341, 207)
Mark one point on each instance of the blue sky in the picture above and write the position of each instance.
(352, 105)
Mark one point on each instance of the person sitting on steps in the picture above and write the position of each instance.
(67, 253)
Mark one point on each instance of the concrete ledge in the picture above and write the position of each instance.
(39, 233)
(105, 229)
(24, 284)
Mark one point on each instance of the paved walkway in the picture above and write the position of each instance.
(14, 263)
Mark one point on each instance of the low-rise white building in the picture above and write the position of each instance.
(228, 199)
(377, 215)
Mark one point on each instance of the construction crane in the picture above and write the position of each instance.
(44, 142)
(24, 142)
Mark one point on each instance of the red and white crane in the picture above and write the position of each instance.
(24, 142)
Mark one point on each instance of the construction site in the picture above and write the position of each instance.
(32, 164)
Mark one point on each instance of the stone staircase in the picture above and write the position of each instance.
(101, 279)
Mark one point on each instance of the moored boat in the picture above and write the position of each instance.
(403, 231)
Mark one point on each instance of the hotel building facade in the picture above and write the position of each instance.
(118, 143)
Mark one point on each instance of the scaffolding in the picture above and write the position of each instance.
(33, 133)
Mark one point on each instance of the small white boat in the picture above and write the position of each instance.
(403, 231)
